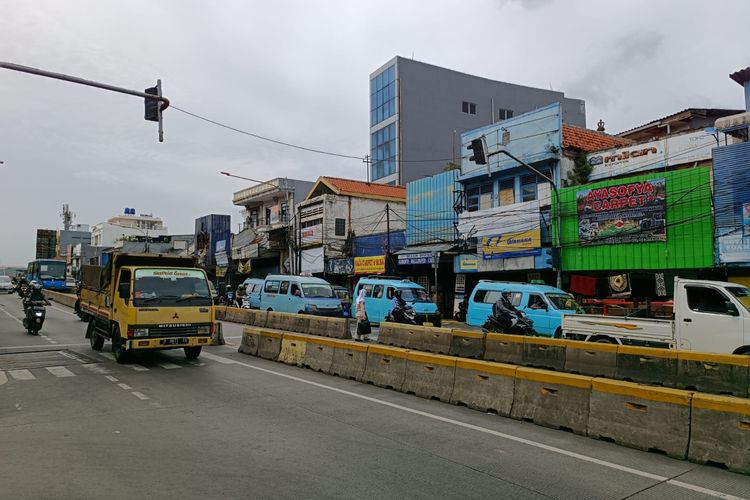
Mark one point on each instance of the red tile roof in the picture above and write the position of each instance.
(362, 189)
(590, 140)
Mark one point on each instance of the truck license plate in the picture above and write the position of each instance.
(173, 341)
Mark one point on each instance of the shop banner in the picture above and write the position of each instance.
(625, 213)
(369, 265)
(312, 235)
(340, 266)
(509, 245)
(410, 259)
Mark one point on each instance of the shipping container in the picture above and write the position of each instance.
(686, 229)
(213, 235)
(430, 216)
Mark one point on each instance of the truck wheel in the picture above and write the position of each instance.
(558, 333)
(96, 340)
(193, 352)
(121, 355)
(603, 340)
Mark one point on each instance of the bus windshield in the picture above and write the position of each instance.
(171, 287)
(52, 270)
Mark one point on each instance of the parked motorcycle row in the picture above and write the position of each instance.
(34, 303)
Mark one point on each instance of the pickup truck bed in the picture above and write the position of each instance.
(638, 331)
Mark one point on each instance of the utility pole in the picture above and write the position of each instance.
(387, 238)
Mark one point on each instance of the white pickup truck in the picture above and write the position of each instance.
(709, 316)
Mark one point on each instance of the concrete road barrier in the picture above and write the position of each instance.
(641, 417)
(544, 353)
(318, 325)
(293, 348)
(270, 344)
(484, 386)
(319, 354)
(250, 341)
(339, 328)
(430, 375)
(557, 400)
(349, 359)
(647, 365)
(591, 358)
(714, 373)
(258, 318)
(503, 348)
(220, 313)
(276, 320)
(389, 334)
(432, 339)
(386, 366)
(299, 323)
(720, 431)
(65, 299)
(467, 344)
(217, 337)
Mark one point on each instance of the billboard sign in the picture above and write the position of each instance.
(369, 265)
(509, 245)
(632, 212)
(312, 235)
(410, 259)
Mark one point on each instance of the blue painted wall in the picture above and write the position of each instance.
(430, 216)
(374, 244)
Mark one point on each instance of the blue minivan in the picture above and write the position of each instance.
(379, 298)
(299, 294)
(253, 289)
(545, 305)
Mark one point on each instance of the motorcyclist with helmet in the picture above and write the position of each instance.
(504, 311)
(399, 304)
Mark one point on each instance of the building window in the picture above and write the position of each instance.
(504, 114)
(528, 188)
(310, 223)
(253, 218)
(383, 152)
(268, 216)
(507, 192)
(284, 213)
(469, 108)
(340, 227)
(479, 197)
(383, 95)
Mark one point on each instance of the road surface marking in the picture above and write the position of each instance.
(14, 318)
(111, 378)
(72, 356)
(96, 368)
(60, 371)
(220, 359)
(63, 311)
(169, 366)
(52, 341)
(137, 368)
(107, 355)
(21, 374)
(37, 346)
(140, 395)
(124, 387)
(3, 378)
(510, 437)
(195, 362)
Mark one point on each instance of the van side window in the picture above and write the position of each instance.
(368, 290)
(389, 292)
(480, 295)
(272, 287)
(706, 300)
(377, 292)
(296, 290)
(535, 302)
(284, 287)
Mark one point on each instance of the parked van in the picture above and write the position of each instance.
(379, 298)
(253, 289)
(299, 294)
(545, 305)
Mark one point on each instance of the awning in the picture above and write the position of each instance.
(438, 247)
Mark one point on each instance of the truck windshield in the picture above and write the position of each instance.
(563, 301)
(742, 294)
(414, 295)
(318, 291)
(186, 287)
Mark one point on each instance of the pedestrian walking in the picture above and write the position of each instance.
(363, 324)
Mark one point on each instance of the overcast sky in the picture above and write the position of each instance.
(298, 71)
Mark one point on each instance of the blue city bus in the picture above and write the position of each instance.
(49, 272)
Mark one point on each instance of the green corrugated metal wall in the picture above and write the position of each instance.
(689, 228)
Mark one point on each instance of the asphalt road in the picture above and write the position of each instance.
(74, 424)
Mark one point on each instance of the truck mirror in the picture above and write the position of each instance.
(731, 309)
(124, 291)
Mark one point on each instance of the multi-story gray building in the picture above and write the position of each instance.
(418, 112)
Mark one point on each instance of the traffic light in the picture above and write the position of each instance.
(477, 147)
(153, 106)
(553, 259)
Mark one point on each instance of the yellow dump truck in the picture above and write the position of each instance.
(147, 301)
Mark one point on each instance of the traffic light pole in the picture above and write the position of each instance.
(104, 86)
(557, 206)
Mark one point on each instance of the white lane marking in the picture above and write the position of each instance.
(140, 395)
(52, 341)
(60, 371)
(63, 311)
(124, 387)
(458, 423)
(71, 356)
(111, 378)
(214, 357)
(96, 368)
(169, 366)
(3, 378)
(195, 362)
(21, 374)
(13, 317)
(107, 355)
(137, 368)
(37, 346)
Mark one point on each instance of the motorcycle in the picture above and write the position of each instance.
(404, 315)
(35, 314)
(460, 314)
(519, 325)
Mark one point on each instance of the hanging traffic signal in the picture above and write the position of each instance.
(152, 105)
(477, 147)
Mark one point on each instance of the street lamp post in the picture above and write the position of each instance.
(287, 191)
